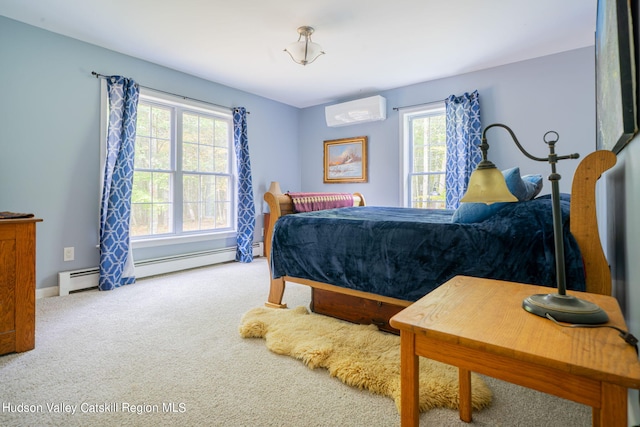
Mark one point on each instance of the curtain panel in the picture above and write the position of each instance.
(116, 258)
(464, 135)
(246, 207)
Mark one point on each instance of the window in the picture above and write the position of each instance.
(183, 172)
(424, 156)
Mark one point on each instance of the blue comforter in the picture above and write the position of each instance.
(406, 253)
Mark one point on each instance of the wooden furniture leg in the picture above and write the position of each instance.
(464, 379)
(613, 406)
(409, 376)
(276, 291)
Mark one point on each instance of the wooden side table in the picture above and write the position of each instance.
(479, 325)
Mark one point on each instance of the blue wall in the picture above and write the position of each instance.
(49, 138)
(532, 97)
(49, 141)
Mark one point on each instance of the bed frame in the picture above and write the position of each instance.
(366, 308)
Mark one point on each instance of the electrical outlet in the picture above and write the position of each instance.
(69, 254)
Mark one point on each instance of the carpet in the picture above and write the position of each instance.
(359, 355)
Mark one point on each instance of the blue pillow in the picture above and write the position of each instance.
(469, 213)
(533, 184)
(477, 212)
(515, 184)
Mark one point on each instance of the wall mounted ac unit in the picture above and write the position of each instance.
(362, 110)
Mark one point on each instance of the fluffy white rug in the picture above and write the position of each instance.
(359, 355)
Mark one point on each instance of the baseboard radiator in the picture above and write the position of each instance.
(70, 281)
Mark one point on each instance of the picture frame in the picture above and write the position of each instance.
(345, 160)
(616, 116)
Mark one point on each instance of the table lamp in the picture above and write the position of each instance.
(487, 185)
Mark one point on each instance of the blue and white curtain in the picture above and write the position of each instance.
(246, 207)
(116, 259)
(464, 135)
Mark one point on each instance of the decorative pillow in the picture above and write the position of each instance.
(477, 212)
(469, 213)
(515, 184)
(533, 184)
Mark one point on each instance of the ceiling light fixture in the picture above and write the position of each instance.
(304, 51)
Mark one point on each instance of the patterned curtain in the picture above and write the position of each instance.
(464, 135)
(246, 207)
(116, 258)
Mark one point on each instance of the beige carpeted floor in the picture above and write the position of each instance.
(166, 351)
(358, 355)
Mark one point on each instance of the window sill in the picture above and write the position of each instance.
(176, 240)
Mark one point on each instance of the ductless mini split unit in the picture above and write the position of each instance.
(363, 110)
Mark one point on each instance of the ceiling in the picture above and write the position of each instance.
(370, 45)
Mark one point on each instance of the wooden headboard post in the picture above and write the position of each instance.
(584, 222)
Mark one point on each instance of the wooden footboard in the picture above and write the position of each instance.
(281, 204)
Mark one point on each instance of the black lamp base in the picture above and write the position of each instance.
(565, 308)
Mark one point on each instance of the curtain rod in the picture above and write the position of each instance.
(416, 105)
(103, 76)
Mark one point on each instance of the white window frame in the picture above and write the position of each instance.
(405, 116)
(186, 104)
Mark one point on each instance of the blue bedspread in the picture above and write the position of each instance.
(406, 253)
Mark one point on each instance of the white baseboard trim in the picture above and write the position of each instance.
(69, 281)
(50, 291)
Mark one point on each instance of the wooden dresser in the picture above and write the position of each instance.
(17, 284)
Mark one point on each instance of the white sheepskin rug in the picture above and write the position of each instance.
(359, 355)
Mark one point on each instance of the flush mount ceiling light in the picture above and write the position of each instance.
(304, 51)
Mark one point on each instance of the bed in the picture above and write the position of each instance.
(367, 267)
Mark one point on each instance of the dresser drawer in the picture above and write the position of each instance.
(354, 309)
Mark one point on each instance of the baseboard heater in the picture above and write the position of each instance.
(70, 281)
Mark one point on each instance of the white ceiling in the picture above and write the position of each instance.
(370, 45)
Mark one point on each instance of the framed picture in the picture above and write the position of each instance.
(616, 121)
(345, 160)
